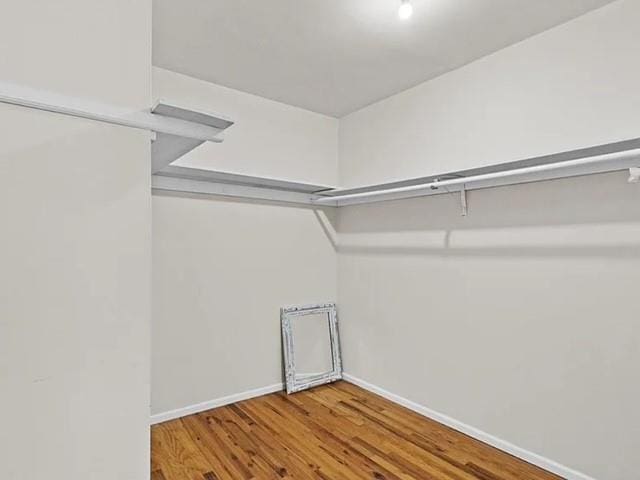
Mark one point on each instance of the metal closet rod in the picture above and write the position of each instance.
(469, 181)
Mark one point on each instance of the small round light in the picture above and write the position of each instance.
(405, 10)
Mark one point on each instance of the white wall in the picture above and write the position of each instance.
(75, 246)
(270, 139)
(515, 320)
(223, 268)
(572, 86)
(518, 319)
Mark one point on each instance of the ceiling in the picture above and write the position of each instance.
(336, 56)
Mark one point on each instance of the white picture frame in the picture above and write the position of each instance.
(291, 314)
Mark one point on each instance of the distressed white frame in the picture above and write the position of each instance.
(289, 314)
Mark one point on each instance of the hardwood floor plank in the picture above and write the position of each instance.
(223, 462)
(177, 456)
(157, 475)
(433, 435)
(335, 440)
(380, 434)
(270, 451)
(306, 441)
(333, 432)
(255, 461)
(344, 432)
(296, 464)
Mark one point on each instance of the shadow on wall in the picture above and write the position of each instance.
(590, 216)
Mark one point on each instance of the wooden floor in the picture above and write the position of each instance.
(337, 432)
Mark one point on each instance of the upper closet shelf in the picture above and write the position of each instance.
(193, 180)
(177, 130)
(603, 158)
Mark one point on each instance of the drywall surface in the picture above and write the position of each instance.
(269, 139)
(222, 268)
(517, 319)
(570, 87)
(221, 271)
(75, 246)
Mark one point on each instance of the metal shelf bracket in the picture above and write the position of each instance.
(463, 200)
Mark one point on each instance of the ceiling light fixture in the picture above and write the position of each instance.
(405, 10)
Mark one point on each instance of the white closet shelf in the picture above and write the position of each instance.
(166, 119)
(598, 159)
(177, 129)
(210, 182)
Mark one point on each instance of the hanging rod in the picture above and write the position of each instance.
(173, 120)
(619, 160)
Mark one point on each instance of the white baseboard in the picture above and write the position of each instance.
(218, 402)
(500, 444)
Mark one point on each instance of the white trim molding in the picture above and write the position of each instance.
(473, 432)
(218, 402)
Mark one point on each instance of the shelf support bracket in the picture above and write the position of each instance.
(463, 200)
(167, 148)
(634, 175)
